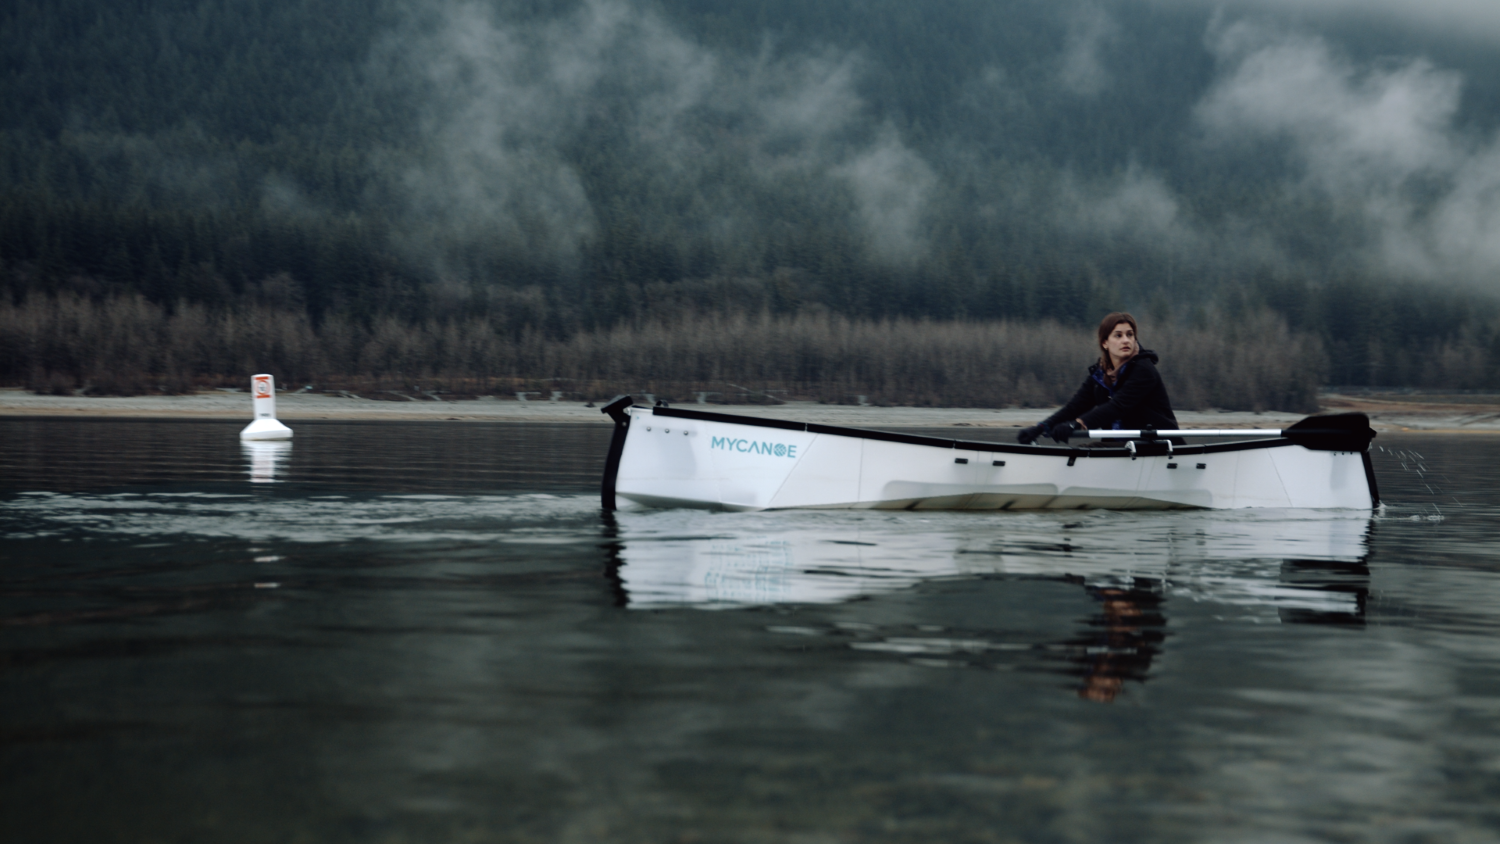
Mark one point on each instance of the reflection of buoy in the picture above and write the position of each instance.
(265, 426)
(265, 458)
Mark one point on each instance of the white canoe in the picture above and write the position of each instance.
(672, 457)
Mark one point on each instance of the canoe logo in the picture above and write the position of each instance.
(754, 447)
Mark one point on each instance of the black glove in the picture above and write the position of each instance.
(1031, 435)
(1062, 430)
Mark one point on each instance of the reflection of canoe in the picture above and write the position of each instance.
(669, 457)
(1131, 571)
(1269, 560)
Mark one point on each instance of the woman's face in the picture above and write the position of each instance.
(1120, 344)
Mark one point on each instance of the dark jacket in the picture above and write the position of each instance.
(1138, 399)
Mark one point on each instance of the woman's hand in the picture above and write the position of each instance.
(1063, 430)
(1027, 436)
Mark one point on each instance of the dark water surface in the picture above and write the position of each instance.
(417, 632)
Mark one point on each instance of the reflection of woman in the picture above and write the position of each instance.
(1122, 390)
(1130, 634)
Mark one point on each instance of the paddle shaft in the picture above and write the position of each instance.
(1106, 434)
(1332, 432)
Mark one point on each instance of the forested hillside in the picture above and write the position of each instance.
(555, 171)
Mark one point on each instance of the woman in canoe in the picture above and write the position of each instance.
(1122, 390)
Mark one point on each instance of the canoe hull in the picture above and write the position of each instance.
(669, 457)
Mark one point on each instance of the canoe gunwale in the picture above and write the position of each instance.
(1143, 449)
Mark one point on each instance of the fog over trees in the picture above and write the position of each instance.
(1318, 181)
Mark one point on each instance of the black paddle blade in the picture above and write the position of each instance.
(1334, 432)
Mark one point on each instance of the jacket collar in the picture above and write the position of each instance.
(1143, 353)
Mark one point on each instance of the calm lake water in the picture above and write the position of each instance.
(398, 632)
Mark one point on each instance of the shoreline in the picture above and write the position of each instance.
(1394, 415)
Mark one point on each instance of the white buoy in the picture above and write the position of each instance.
(265, 426)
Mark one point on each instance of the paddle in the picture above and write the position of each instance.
(1333, 432)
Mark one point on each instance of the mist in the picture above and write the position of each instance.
(517, 115)
(1467, 19)
(1378, 142)
(513, 110)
